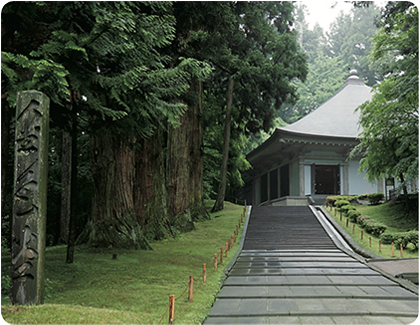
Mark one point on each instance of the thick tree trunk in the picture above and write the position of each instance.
(65, 187)
(185, 167)
(113, 221)
(218, 205)
(149, 188)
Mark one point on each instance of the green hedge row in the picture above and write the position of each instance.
(374, 198)
(403, 238)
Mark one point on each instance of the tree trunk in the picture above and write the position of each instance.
(149, 188)
(185, 166)
(113, 221)
(219, 204)
(71, 238)
(66, 156)
(406, 199)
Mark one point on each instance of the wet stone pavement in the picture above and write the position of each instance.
(290, 272)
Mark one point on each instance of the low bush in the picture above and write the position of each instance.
(374, 228)
(353, 215)
(403, 238)
(375, 198)
(340, 203)
(362, 221)
(347, 208)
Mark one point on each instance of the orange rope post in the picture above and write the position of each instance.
(380, 245)
(226, 248)
(401, 249)
(171, 309)
(204, 273)
(190, 288)
(215, 262)
(392, 248)
(221, 255)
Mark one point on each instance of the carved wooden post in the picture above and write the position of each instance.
(30, 198)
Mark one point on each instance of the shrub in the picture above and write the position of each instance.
(403, 238)
(375, 198)
(374, 228)
(353, 215)
(387, 238)
(340, 203)
(362, 221)
(347, 208)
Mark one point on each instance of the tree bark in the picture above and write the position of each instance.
(71, 238)
(113, 221)
(66, 156)
(185, 166)
(219, 204)
(149, 188)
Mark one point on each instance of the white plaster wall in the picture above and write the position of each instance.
(358, 184)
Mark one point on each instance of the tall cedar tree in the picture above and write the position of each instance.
(108, 54)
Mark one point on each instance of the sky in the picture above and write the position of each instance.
(325, 11)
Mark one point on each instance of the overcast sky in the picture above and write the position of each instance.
(325, 11)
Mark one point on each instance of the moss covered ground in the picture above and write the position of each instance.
(135, 287)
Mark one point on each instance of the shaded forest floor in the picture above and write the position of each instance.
(135, 287)
(390, 214)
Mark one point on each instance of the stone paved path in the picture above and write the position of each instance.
(291, 272)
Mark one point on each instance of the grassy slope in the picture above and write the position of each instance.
(135, 288)
(389, 214)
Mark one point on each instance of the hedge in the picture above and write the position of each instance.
(374, 228)
(340, 203)
(353, 215)
(346, 208)
(403, 238)
(375, 198)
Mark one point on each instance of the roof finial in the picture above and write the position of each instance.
(353, 72)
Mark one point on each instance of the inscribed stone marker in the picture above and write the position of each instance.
(30, 198)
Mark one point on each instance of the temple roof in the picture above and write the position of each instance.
(336, 117)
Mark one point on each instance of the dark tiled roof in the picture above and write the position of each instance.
(338, 115)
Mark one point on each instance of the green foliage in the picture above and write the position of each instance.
(389, 141)
(339, 203)
(353, 215)
(404, 238)
(375, 198)
(346, 208)
(374, 228)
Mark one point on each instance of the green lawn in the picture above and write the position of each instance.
(135, 287)
(390, 214)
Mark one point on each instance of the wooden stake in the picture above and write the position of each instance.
(370, 241)
(392, 248)
(171, 309)
(354, 227)
(361, 235)
(347, 223)
(204, 273)
(190, 288)
(215, 262)
(245, 203)
(401, 249)
(341, 215)
(380, 246)
(226, 249)
(221, 255)
(335, 212)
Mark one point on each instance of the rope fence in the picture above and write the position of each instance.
(361, 233)
(190, 285)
